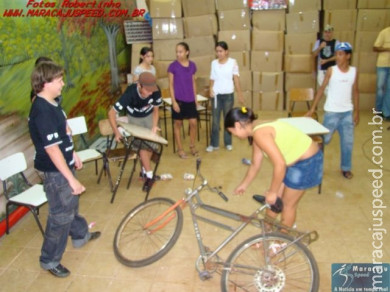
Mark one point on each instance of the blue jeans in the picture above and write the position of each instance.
(343, 123)
(224, 103)
(382, 103)
(63, 220)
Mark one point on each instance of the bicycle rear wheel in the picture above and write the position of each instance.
(137, 246)
(291, 266)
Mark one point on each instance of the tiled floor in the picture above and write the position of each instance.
(342, 215)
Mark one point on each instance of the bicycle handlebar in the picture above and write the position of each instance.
(277, 207)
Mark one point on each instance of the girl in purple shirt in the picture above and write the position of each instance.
(182, 87)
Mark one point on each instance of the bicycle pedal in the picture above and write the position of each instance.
(205, 275)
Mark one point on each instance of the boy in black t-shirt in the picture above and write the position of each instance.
(141, 101)
(56, 159)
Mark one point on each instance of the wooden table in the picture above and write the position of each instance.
(137, 133)
(202, 107)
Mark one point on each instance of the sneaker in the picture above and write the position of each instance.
(211, 148)
(275, 247)
(60, 271)
(229, 147)
(148, 185)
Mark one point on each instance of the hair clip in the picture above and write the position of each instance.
(244, 110)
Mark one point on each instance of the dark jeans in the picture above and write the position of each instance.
(63, 220)
(224, 104)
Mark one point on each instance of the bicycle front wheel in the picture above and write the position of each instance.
(136, 245)
(270, 263)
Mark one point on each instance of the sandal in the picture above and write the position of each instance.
(347, 174)
(182, 154)
(194, 152)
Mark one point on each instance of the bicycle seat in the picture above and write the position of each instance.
(277, 207)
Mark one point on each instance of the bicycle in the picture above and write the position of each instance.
(277, 259)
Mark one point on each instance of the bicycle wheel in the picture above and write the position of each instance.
(291, 266)
(136, 246)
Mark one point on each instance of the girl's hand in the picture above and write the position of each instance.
(240, 190)
(176, 107)
(270, 197)
(212, 94)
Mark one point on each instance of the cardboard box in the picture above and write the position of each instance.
(230, 4)
(203, 64)
(365, 61)
(267, 81)
(302, 43)
(367, 101)
(162, 67)
(367, 83)
(242, 58)
(247, 99)
(246, 80)
(271, 101)
(165, 50)
(341, 20)
(167, 28)
(304, 5)
(202, 84)
(237, 40)
(237, 19)
(304, 22)
(298, 63)
(373, 19)
(364, 41)
(203, 25)
(337, 4)
(267, 40)
(165, 8)
(274, 20)
(370, 4)
(197, 8)
(135, 54)
(201, 46)
(345, 36)
(300, 80)
(264, 61)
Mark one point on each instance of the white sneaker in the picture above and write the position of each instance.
(211, 148)
(229, 147)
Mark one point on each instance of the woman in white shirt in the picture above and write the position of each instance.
(224, 77)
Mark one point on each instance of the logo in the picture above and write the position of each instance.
(351, 277)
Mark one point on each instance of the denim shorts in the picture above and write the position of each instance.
(306, 173)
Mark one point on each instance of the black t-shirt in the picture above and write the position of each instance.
(135, 105)
(47, 124)
(328, 52)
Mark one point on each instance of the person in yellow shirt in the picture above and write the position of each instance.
(382, 46)
(297, 160)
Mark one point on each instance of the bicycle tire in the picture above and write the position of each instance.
(136, 247)
(291, 269)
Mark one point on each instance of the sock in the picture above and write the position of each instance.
(149, 174)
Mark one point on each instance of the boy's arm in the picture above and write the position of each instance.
(355, 95)
(112, 119)
(320, 92)
(58, 159)
(155, 118)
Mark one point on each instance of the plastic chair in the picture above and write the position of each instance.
(18, 190)
(300, 95)
(79, 127)
(112, 154)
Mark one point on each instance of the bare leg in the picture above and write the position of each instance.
(291, 199)
(193, 129)
(145, 157)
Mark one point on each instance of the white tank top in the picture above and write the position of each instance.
(340, 86)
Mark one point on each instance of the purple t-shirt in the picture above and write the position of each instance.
(182, 80)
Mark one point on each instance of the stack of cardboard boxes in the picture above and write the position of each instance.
(234, 29)
(167, 31)
(267, 59)
(372, 17)
(273, 48)
(303, 26)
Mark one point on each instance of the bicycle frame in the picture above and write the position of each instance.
(194, 201)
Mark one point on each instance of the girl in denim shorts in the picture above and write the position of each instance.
(297, 160)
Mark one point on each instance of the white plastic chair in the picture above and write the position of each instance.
(33, 197)
(79, 127)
